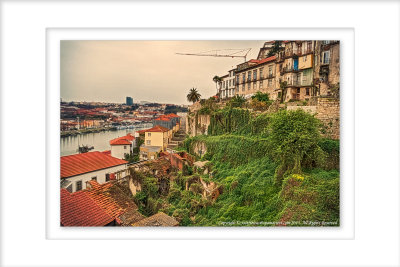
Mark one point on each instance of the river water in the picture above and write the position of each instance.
(69, 145)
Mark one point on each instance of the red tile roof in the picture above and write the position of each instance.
(172, 115)
(87, 162)
(99, 194)
(107, 152)
(123, 140)
(262, 60)
(129, 137)
(157, 128)
(98, 205)
(162, 119)
(267, 59)
(78, 209)
(119, 141)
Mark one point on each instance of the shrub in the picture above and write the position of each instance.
(294, 139)
(237, 102)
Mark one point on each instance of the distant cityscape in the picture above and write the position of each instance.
(79, 116)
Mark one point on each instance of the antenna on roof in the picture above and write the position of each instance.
(221, 53)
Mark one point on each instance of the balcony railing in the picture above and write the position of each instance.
(293, 83)
(270, 75)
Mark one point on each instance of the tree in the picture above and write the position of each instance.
(263, 97)
(275, 48)
(193, 95)
(258, 105)
(237, 101)
(283, 88)
(217, 81)
(294, 137)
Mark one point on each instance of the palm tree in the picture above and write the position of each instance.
(217, 81)
(193, 95)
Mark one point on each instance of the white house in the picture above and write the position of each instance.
(228, 85)
(78, 169)
(122, 145)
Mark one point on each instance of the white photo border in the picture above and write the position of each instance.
(23, 189)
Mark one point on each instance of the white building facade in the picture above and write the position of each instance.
(122, 146)
(228, 85)
(77, 170)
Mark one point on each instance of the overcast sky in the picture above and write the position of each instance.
(108, 71)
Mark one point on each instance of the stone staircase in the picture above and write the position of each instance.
(177, 139)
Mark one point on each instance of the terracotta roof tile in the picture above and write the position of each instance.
(87, 162)
(78, 209)
(267, 59)
(162, 119)
(123, 140)
(157, 128)
(159, 219)
(172, 115)
(98, 205)
(107, 152)
(118, 141)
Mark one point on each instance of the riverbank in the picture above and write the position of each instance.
(83, 131)
(100, 140)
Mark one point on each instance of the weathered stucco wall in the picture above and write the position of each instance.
(197, 125)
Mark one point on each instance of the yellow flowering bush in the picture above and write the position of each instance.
(298, 177)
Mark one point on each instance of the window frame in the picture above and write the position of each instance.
(80, 185)
(328, 53)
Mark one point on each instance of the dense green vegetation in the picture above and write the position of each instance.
(174, 109)
(270, 169)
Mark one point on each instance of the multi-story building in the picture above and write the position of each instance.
(129, 101)
(227, 89)
(264, 51)
(300, 70)
(256, 75)
(326, 67)
(297, 70)
(155, 141)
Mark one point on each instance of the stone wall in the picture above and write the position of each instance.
(328, 111)
(309, 109)
(197, 125)
(199, 149)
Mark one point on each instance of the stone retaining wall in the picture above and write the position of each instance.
(328, 111)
